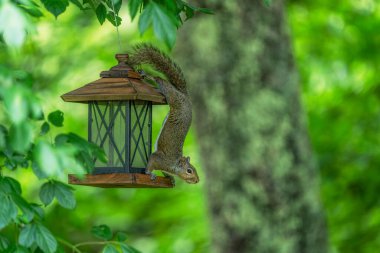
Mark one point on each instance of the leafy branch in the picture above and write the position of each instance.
(112, 242)
(164, 17)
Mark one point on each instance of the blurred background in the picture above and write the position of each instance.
(336, 46)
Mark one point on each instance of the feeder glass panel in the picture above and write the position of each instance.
(123, 129)
(141, 133)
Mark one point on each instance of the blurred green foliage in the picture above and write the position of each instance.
(336, 47)
(337, 52)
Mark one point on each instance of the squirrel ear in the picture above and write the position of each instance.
(188, 159)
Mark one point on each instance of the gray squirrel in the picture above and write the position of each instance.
(168, 156)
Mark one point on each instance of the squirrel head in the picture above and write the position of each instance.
(187, 171)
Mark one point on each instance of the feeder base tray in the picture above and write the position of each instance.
(118, 180)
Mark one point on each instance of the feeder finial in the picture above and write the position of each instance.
(121, 58)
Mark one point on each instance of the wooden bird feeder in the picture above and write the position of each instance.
(120, 122)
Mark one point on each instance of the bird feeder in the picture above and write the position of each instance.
(120, 121)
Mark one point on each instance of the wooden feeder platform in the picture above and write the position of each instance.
(121, 180)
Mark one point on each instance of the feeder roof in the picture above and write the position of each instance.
(121, 82)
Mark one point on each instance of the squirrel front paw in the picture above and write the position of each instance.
(152, 175)
(172, 180)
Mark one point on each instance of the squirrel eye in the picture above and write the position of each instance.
(189, 171)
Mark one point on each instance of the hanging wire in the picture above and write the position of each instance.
(116, 25)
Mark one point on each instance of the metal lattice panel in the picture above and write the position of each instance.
(123, 130)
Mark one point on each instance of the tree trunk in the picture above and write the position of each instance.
(262, 182)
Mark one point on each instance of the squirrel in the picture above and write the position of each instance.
(168, 156)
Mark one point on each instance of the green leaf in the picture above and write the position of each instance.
(56, 118)
(46, 158)
(111, 18)
(146, 18)
(38, 210)
(13, 25)
(13, 184)
(38, 171)
(45, 128)
(170, 5)
(9, 164)
(189, 12)
(27, 235)
(19, 159)
(24, 206)
(3, 135)
(45, 240)
(62, 192)
(31, 10)
(16, 104)
(101, 13)
(78, 4)
(55, 7)
(91, 3)
(24, 164)
(47, 193)
(86, 159)
(134, 6)
(121, 236)
(117, 5)
(35, 110)
(180, 5)
(128, 249)
(64, 195)
(10, 185)
(79, 142)
(8, 210)
(4, 243)
(71, 145)
(21, 137)
(102, 232)
(38, 234)
(61, 139)
(100, 154)
(109, 248)
(70, 159)
(164, 25)
(114, 4)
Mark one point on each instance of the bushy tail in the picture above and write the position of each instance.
(148, 54)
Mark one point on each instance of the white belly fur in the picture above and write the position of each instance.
(159, 134)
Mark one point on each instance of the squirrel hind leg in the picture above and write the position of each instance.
(154, 160)
(149, 169)
(172, 95)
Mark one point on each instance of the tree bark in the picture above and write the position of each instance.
(261, 178)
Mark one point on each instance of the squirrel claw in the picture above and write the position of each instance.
(152, 175)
